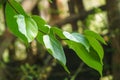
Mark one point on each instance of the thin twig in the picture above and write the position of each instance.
(77, 71)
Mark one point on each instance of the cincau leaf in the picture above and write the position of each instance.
(77, 37)
(95, 35)
(58, 32)
(41, 24)
(40, 38)
(89, 58)
(96, 46)
(27, 26)
(12, 24)
(17, 7)
(55, 49)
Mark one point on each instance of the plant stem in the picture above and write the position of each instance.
(77, 71)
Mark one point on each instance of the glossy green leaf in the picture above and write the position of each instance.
(12, 24)
(41, 24)
(77, 38)
(96, 46)
(27, 26)
(16, 7)
(55, 49)
(95, 35)
(40, 38)
(90, 58)
(58, 32)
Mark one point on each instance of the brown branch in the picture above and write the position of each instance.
(5, 41)
(75, 17)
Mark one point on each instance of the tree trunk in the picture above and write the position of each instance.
(113, 8)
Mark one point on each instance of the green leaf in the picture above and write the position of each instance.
(41, 24)
(58, 32)
(27, 26)
(95, 35)
(12, 24)
(55, 49)
(77, 38)
(16, 7)
(90, 58)
(40, 38)
(96, 46)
